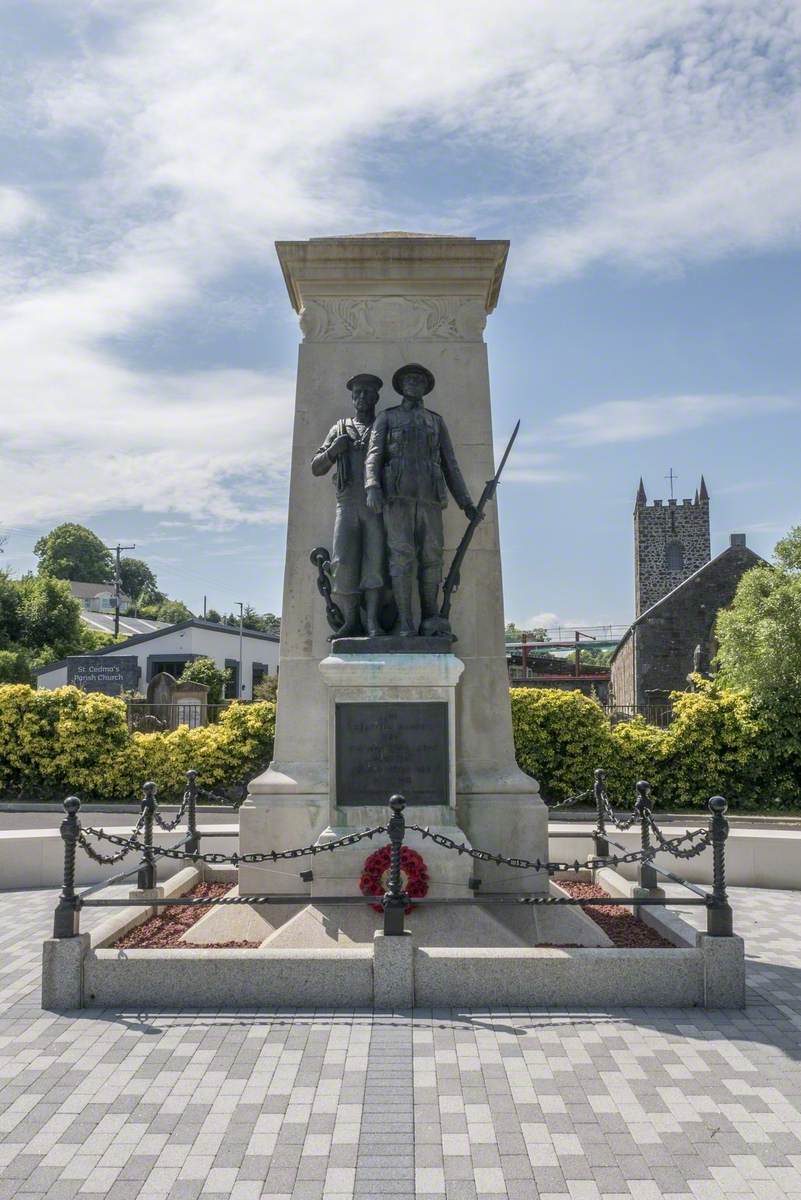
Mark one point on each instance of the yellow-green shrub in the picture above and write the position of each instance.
(717, 743)
(560, 737)
(53, 742)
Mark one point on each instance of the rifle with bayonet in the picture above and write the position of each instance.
(452, 578)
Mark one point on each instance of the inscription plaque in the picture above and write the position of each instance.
(382, 748)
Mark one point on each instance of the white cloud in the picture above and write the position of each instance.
(652, 133)
(638, 420)
(16, 210)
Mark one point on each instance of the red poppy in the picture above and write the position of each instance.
(414, 875)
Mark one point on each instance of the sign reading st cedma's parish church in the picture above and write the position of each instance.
(101, 673)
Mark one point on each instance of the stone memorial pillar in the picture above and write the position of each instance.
(372, 304)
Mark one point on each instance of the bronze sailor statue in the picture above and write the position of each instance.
(357, 568)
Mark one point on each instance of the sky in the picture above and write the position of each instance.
(643, 157)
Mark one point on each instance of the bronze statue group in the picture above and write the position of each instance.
(392, 475)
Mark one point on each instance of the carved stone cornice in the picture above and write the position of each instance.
(393, 318)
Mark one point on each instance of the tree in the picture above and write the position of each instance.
(759, 635)
(513, 634)
(261, 622)
(171, 611)
(73, 552)
(16, 665)
(10, 618)
(49, 616)
(205, 670)
(138, 581)
(213, 615)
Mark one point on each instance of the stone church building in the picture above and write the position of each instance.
(679, 590)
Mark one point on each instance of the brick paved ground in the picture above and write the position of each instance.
(681, 1104)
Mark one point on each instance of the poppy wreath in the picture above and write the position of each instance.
(375, 875)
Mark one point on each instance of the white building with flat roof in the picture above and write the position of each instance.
(173, 646)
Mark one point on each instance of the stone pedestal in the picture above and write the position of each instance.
(372, 304)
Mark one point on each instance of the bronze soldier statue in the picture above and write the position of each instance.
(358, 555)
(409, 470)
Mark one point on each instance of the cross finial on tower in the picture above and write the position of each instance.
(672, 479)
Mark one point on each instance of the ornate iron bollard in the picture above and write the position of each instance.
(599, 833)
(192, 835)
(719, 921)
(66, 921)
(146, 879)
(395, 899)
(642, 806)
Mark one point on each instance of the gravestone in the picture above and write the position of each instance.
(175, 702)
(103, 673)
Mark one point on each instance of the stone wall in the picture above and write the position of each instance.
(622, 683)
(671, 542)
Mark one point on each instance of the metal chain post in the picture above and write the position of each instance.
(719, 921)
(599, 833)
(146, 879)
(642, 806)
(66, 921)
(193, 837)
(395, 899)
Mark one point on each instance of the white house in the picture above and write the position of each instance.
(98, 597)
(170, 648)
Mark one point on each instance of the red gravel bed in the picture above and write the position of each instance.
(165, 930)
(622, 927)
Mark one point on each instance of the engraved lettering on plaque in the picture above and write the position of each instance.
(383, 748)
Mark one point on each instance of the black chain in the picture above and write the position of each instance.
(569, 802)
(672, 844)
(168, 826)
(321, 559)
(622, 823)
(554, 868)
(216, 859)
(108, 860)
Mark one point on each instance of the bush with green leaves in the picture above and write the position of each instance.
(205, 670)
(720, 742)
(66, 740)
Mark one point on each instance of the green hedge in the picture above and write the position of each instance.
(55, 742)
(719, 742)
(66, 740)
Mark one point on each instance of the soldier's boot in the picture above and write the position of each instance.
(431, 624)
(402, 590)
(349, 605)
(372, 598)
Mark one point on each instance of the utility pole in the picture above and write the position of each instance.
(241, 672)
(117, 551)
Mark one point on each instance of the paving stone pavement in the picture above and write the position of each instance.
(480, 1105)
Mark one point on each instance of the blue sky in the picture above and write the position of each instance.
(644, 159)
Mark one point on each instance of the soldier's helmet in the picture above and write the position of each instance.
(408, 369)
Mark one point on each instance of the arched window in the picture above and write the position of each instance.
(675, 556)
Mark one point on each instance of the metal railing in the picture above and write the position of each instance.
(395, 901)
(655, 714)
(144, 717)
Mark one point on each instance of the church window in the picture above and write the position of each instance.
(675, 556)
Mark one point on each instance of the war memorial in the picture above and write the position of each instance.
(394, 854)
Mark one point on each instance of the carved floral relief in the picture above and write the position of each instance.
(389, 318)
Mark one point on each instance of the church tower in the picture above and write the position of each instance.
(671, 542)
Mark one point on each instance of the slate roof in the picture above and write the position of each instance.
(193, 622)
(649, 612)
